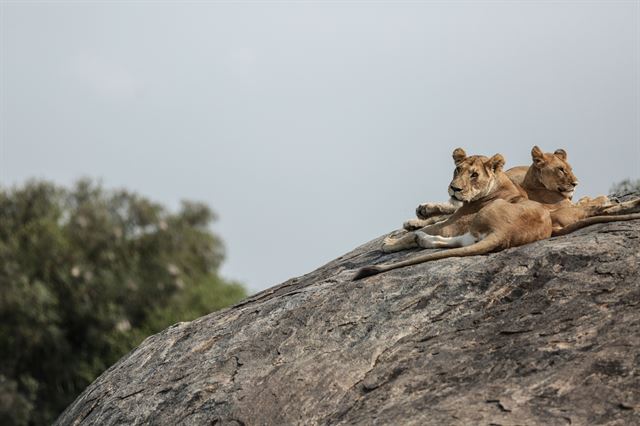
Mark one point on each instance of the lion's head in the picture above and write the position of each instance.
(553, 172)
(474, 177)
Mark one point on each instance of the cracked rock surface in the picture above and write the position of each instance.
(547, 333)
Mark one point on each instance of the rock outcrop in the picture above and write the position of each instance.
(548, 333)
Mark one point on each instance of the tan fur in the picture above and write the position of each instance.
(549, 180)
(495, 213)
(578, 216)
(475, 192)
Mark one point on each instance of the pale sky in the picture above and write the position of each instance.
(311, 128)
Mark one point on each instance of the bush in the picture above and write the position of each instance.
(626, 186)
(85, 275)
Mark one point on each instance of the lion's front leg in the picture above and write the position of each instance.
(601, 201)
(626, 207)
(392, 244)
(413, 224)
(427, 210)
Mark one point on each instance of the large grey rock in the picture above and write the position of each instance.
(547, 333)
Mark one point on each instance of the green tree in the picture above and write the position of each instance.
(626, 186)
(85, 275)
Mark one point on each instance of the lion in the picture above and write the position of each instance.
(549, 180)
(495, 214)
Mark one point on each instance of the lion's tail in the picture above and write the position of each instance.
(486, 245)
(592, 221)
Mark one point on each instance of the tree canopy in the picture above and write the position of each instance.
(626, 186)
(86, 274)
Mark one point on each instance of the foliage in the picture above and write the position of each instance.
(85, 275)
(626, 186)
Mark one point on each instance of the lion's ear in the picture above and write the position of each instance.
(496, 162)
(459, 155)
(537, 156)
(561, 154)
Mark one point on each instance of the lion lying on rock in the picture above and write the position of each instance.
(495, 214)
(549, 180)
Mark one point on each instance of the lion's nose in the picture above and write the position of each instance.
(574, 183)
(454, 189)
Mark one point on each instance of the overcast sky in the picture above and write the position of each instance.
(312, 128)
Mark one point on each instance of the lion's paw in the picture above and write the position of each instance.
(389, 245)
(601, 201)
(428, 210)
(413, 224)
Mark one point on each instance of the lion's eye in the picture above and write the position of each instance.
(561, 170)
(474, 175)
(456, 171)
